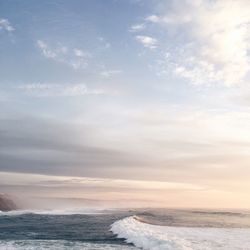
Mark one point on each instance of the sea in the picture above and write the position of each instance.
(125, 229)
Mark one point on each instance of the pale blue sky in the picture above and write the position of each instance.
(135, 90)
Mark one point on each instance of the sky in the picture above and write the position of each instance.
(142, 101)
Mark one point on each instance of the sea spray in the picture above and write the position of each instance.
(155, 237)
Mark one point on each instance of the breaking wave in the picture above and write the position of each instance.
(155, 237)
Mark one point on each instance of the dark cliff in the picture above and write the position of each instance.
(6, 204)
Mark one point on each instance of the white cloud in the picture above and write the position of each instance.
(75, 58)
(78, 52)
(137, 27)
(153, 19)
(5, 25)
(147, 41)
(81, 53)
(214, 42)
(59, 90)
(46, 51)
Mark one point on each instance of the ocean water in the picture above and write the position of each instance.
(152, 229)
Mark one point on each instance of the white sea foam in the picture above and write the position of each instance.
(57, 245)
(154, 237)
(54, 212)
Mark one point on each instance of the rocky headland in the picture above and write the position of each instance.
(6, 203)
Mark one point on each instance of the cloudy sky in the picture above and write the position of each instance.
(135, 100)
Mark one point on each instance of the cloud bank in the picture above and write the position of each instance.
(209, 40)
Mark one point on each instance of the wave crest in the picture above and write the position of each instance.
(154, 237)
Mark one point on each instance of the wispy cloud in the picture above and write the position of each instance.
(110, 73)
(46, 51)
(104, 43)
(59, 90)
(5, 25)
(73, 57)
(153, 19)
(147, 41)
(85, 182)
(214, 42)
(137, 27)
